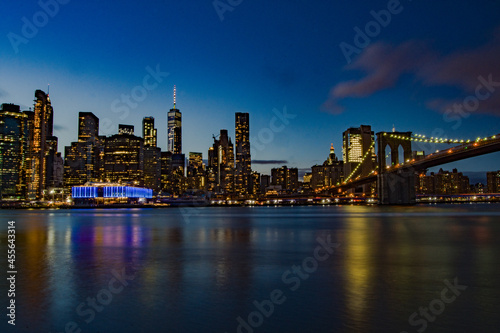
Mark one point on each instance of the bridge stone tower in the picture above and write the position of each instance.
(393, 140)
(396, 187)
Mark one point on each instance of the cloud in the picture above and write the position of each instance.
(269, 162)
(60, 127)
(384, 64)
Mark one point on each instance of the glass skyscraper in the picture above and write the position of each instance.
(174, 131)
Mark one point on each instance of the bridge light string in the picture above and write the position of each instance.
(362, 161)
(417, 138)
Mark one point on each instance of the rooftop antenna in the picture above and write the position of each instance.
(175, 89)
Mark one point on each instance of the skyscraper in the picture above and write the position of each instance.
(88, 126)
(221, 164)
(13, 149)
(124, 159)
(82, 160)
(356, 143)
(149, 131)
(174, 131)
(44, 144)
(243, 164)
(196, 171)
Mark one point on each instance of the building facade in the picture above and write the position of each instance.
(174, 129)
(149, 131)
(243, 164)
(44, 146)
(13, 151)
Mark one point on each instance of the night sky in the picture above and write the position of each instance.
(259, 56)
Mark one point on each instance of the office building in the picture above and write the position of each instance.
(149, 131)
(174, 130)
(44, 146)
(329, 174)
(243, 164)
(125, 129)
(13, 151)
(286, 178)
(221, 164)
(83, 160)
(196, 171)
(152, 168)
(124, 159)
(493, 181)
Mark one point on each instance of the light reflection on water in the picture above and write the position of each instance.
(198, 269)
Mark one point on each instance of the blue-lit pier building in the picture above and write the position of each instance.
(110, 194)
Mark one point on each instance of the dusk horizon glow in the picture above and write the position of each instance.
(257, 61)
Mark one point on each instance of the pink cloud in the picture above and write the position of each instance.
(384, 64)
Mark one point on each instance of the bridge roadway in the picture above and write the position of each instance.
(468, 150)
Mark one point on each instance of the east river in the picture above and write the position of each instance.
(426, 268)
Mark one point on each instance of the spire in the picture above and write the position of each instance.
(48, 92)
(175, 89)
(393, 128)
(332, 150)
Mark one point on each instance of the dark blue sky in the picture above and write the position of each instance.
(263, 56)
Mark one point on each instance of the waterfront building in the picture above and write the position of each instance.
(443, 183)
(43, 147)
(329, 174)
(13, 150)
(109, 193)
(124, 159)
(287, 178)
(493, 181)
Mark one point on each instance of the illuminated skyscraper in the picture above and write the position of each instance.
(174, 131)
(243, 164)
(149, 131)
(356, 143)
(196, 171)
(44, 145)
(13, 149)
(221, 164)
(88, 126)
(82, 160)
(124, 159)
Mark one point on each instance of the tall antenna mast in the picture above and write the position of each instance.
(175, 89)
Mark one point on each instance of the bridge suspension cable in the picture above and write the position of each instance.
(423, 138)
(368, 152)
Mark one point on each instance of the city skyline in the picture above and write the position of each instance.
(321, 89)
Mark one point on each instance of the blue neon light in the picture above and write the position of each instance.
(86, 192)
